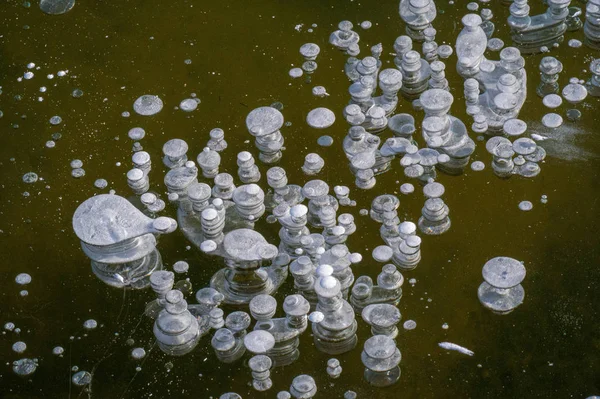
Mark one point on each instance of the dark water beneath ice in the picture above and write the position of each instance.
(241, 52)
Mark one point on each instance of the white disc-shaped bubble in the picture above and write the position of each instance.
(320, 118)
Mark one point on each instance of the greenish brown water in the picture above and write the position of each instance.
(241, 52)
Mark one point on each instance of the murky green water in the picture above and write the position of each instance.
(240, 55)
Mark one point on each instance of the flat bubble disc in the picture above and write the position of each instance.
(81, 378)
(433, 190)
(410, 325)
(24, 366)
(338, 231)
(383, 253)
(504, 151)
(310, 50)
(148, 105)
(477, 166)
(264, 121)
(407, 188)
(90, 324)
(136, 133)
(164, 224)
(263, 306)
(524, 146)
(325, 141)
(316, 317)
(77, 173)
(552, 101)
(382, 315)
(495, 44)
(296, 72)
(208, 246)
(574, 93)
(503, 272)
(324, 270)
(413, 241)
(30, 177)
(135, 174)
(514, 127)
(319, 91)
(573, 115)
(19, 347)
(444, 51)
(296, 305)
(525, 206)
(259, 341)
(320, 118)
(407, 228)
(138, 353)
(268, 251)
(552, 120)
(23, 279)
(188, 105)
(494, 142)
(181, 266)
(56, 7)
(355, 257)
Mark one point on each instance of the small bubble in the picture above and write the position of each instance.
(77, 93)
(138, 353)
(410, 325)
(407, 188)
(445, 326)
(81, 378)
(181, 267)
(23, 279)
(188, 105)
(325, 141)
(148, 105)
(366, 24)
(525, 206)
(24, 366)
(477, 166)
(76, 163)
(296, 72)
(19, 347)
(58, 350)
(30, 177)
(90, 324)
(100, 183)
(55, 120)
(77, 173)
